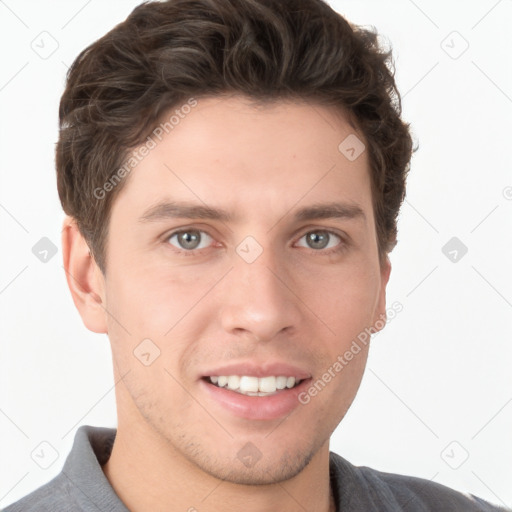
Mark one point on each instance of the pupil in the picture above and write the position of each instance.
(318, 239)
(189, 239)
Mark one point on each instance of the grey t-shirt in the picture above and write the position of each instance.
(82, 486)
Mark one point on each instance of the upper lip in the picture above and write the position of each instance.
(258, 370)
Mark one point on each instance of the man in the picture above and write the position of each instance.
(232, 172)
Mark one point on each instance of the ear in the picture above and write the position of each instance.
(379, 320)
(85, 279)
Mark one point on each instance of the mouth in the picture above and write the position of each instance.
(250, 385)
(262, 391)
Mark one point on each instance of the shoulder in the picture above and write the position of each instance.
(51, 497)
(81, 484)
(421, 494)
(378, 490)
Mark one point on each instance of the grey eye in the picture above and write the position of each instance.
(320, 240)
(190, 239)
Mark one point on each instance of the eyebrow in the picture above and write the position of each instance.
(331, 211)
(172, 209)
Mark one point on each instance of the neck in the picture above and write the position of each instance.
(147, 473)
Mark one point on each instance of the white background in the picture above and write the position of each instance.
(439, 372)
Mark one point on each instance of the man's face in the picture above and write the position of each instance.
(267, 289)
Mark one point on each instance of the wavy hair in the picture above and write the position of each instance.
(120, 86)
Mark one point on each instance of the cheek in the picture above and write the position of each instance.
(161, 306)
(153, 301)
(345, 299)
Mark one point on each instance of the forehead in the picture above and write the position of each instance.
(231, 154)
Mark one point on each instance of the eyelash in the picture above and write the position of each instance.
(342, 245)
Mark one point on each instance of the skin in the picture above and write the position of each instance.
(176, 447)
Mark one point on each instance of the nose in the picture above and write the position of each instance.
(259, 300)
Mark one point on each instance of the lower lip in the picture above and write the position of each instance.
(256, 407)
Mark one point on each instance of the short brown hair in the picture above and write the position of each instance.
(165, 52)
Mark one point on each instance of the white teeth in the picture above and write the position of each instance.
(290, 382)
(281, 382)
(248, 384)
(233, 382)
(254, 386)
(268, 384)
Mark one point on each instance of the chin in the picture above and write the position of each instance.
(244, 464)
(261, 472)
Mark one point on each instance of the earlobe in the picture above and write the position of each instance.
(84, 278)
